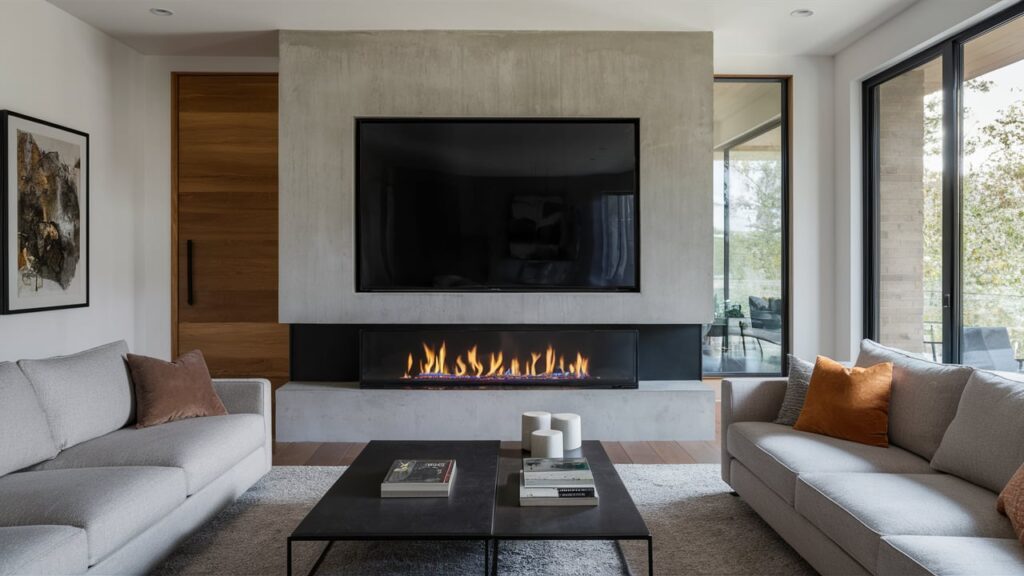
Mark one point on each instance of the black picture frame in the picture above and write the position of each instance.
(9, 261)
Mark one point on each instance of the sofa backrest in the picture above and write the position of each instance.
(985, 443)
(25, 437)
(925, 396)
(84, 395)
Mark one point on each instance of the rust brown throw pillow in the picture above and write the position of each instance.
(1011, 502)
(169, 391)
(848, 403)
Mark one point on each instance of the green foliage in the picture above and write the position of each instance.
(992, 217)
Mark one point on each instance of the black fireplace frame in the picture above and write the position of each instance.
(329, 352)
(630, 382)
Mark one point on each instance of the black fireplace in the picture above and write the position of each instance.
(334, 352)
(505, 356)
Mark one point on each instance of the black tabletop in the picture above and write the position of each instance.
(615, 517)
(352, 509)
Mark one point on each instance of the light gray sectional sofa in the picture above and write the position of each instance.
(82, 491)
(925, 505)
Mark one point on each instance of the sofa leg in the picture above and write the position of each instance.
(733, 493)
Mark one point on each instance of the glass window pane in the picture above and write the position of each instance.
(909, 115)
(747, 334)
(992, 199)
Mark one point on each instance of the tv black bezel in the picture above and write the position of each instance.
(636, 288)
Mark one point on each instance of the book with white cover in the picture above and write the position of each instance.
(564, 496)
(542, 471)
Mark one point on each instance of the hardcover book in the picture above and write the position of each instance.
(556, 496)
(418, 478)
(557, 471)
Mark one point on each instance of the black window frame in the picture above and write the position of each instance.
(949, 52)
(785, 83)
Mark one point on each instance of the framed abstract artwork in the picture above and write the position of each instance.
(44, 215)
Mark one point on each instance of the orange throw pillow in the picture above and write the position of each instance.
(848, 403)
(1011, 502)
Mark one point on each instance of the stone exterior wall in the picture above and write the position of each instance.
(901, 263)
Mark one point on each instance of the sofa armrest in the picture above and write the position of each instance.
(748, 400)
(248, 396)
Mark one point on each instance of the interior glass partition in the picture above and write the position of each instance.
(749, 334)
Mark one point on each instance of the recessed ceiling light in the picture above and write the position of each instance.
(161, 12)
(802, 13)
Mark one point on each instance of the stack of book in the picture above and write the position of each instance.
(557, 482)
(419, 479)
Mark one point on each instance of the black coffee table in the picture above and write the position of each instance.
(483, 506)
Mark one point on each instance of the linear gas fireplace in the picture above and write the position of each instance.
(409, 358)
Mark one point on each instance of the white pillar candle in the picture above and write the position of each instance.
(546, 444)
(569, 425)
(533, 421)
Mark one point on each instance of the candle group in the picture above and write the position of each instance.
(547, 436)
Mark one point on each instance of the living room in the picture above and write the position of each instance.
(555, 287)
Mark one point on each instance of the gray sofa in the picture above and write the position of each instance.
(82, 491)
(925, 505)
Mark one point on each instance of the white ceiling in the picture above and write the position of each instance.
(246, 27)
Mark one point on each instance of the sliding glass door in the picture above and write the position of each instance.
(749, 334)
(992, 199)
(944, 199)
(908, 120)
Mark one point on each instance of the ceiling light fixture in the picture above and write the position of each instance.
(802, 13)
(161, 12)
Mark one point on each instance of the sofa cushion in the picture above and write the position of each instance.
(204, 448)
(23, 426)
(84, 395)
(48, 550)
(778, 454)
(112, 505)
(856, 510)
(984, 443)
(949, 556)
(924, 398)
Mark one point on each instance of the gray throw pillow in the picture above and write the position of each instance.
(924, 398)
(985, 443)
(796, 390)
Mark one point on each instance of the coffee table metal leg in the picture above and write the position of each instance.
(494, 559)
(319, 560)
(650, 556)
(487, 557)
(289, 557)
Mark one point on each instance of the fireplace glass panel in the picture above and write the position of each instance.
(498, 357)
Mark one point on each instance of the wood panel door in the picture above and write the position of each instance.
(224, 229)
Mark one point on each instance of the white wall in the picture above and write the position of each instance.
(811, 220)
(55, 67)
(153, 223)
(918, 27)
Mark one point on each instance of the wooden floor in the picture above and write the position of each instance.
(343, 453)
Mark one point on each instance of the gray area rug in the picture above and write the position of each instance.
(698, 529)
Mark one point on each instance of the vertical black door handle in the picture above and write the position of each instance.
(188, 272)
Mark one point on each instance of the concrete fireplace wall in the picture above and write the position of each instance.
(330, 78)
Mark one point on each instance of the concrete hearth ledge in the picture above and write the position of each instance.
(344, 412)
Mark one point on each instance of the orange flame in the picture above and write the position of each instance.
(433, 363)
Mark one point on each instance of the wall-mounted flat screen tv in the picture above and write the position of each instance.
(519, 205)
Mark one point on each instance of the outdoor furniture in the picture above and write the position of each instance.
(989, 348)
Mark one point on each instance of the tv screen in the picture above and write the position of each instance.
(492, 205)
